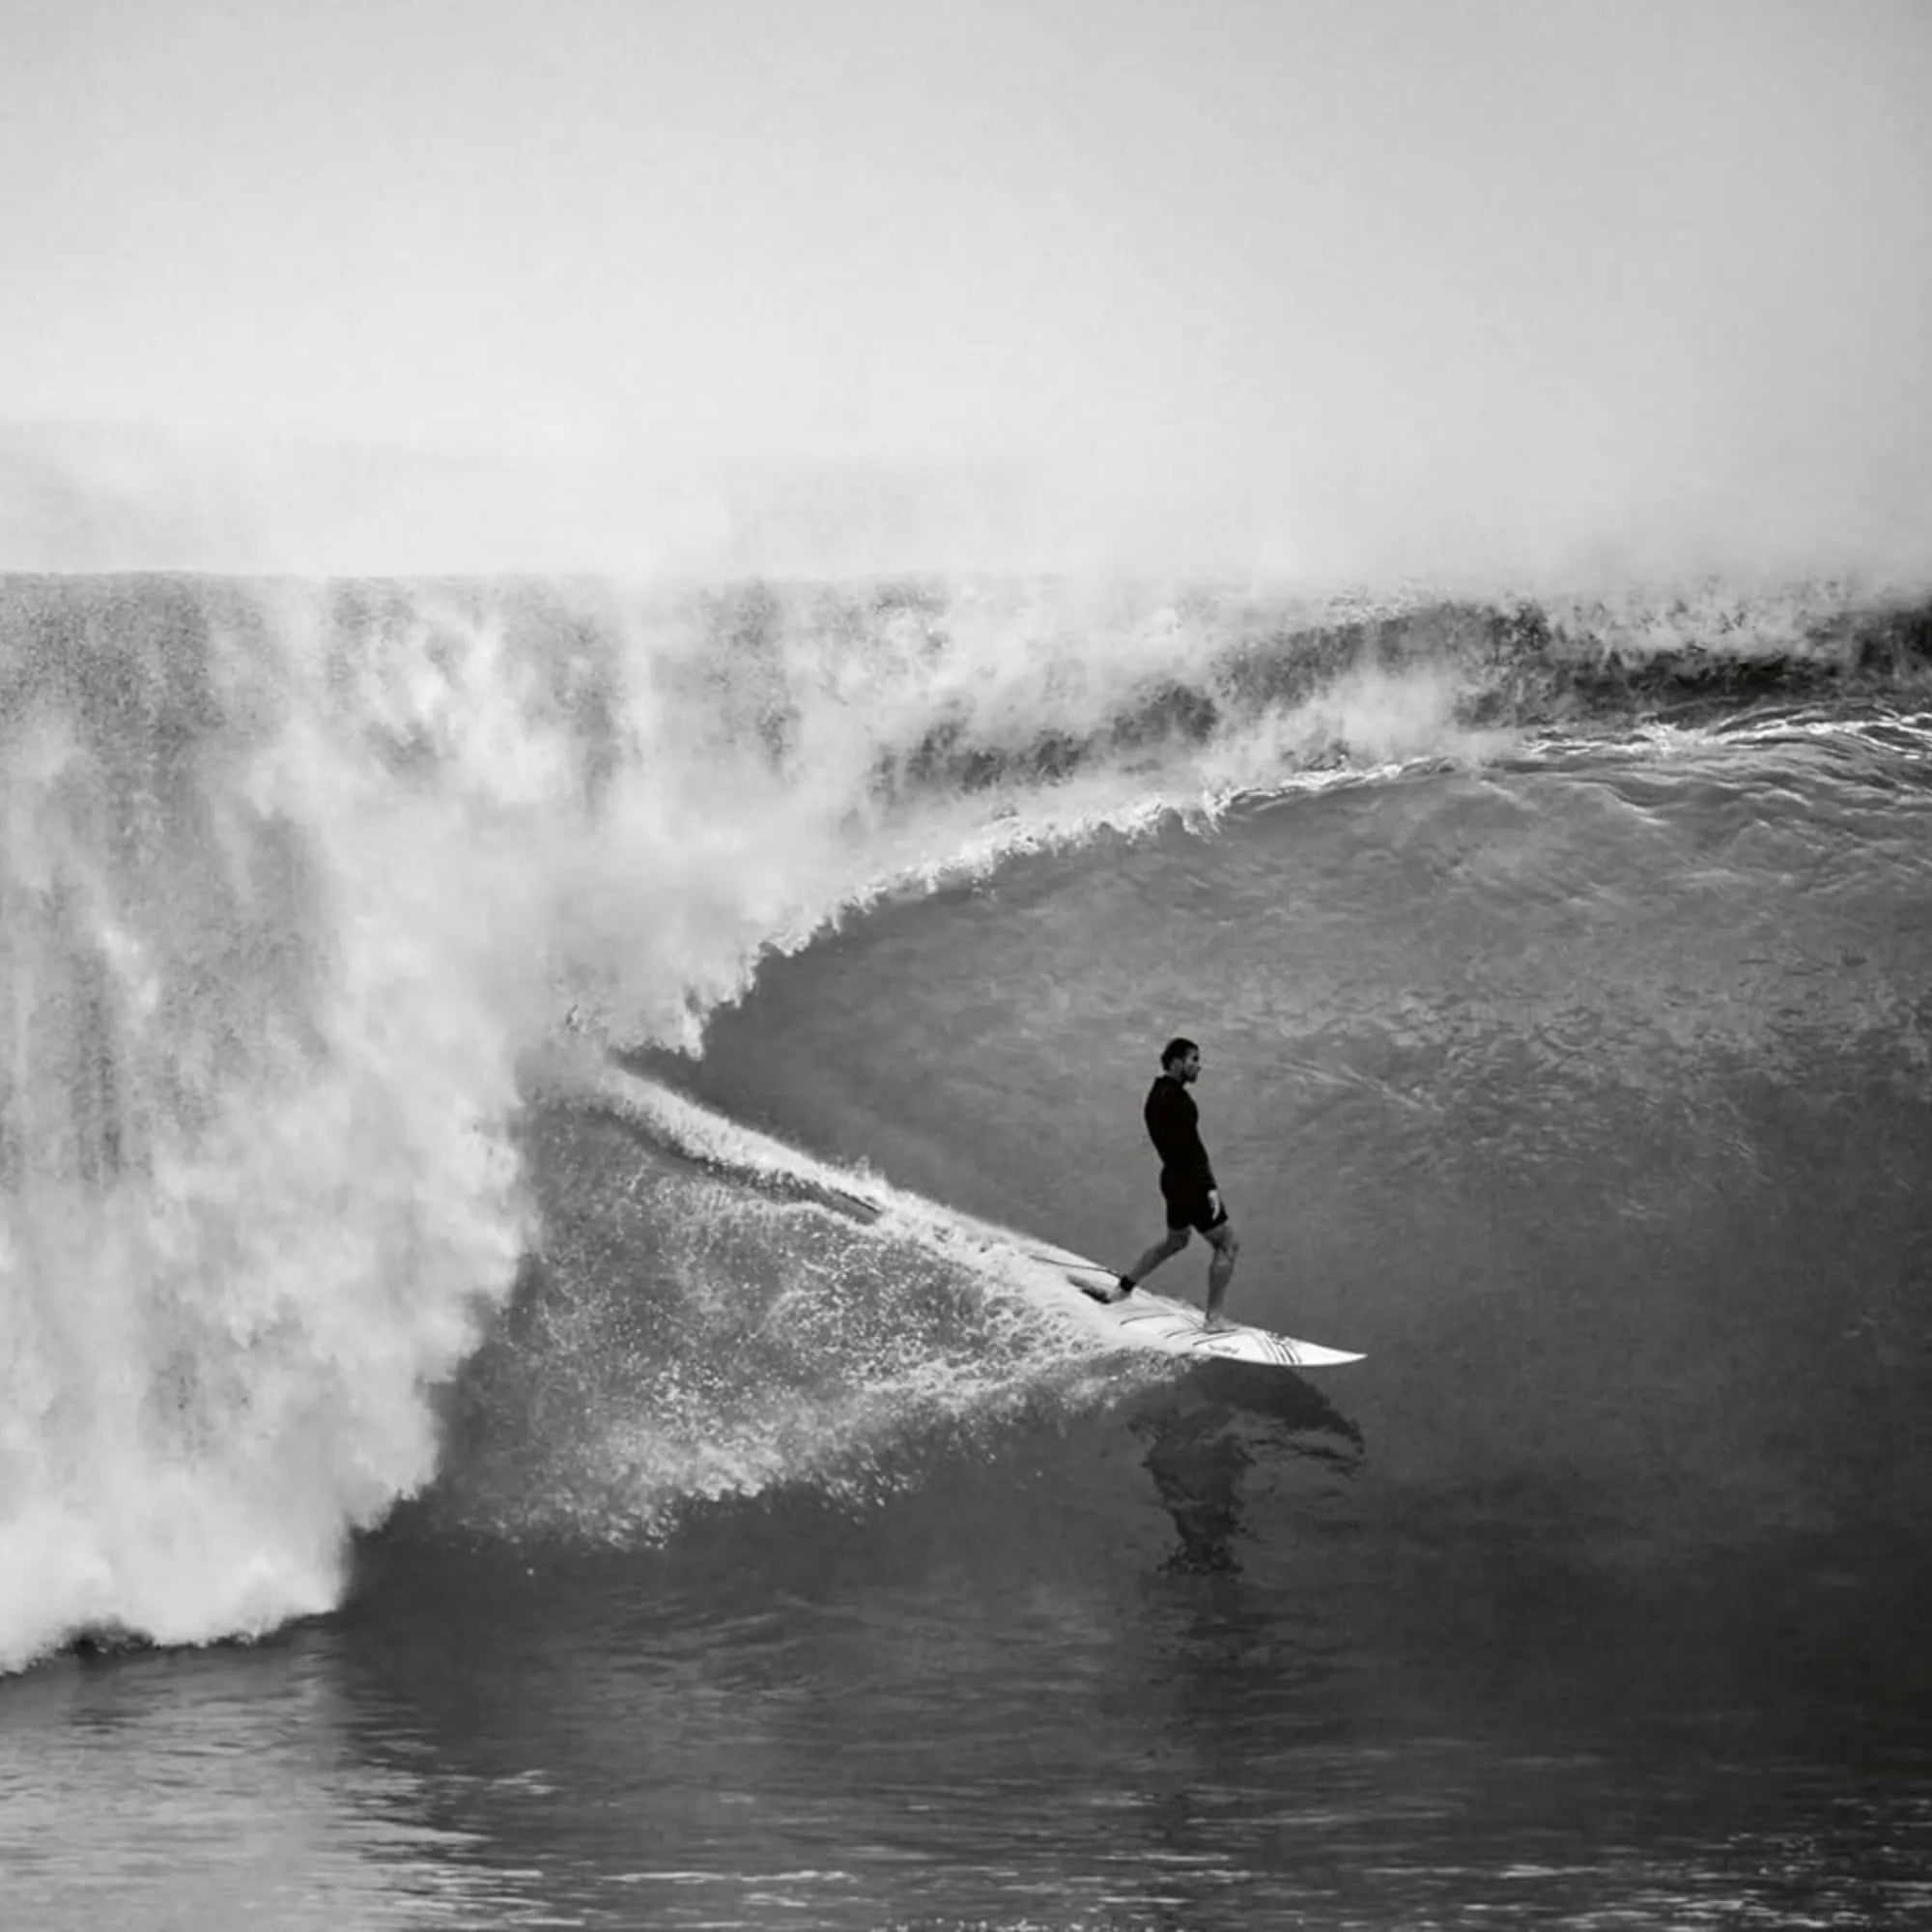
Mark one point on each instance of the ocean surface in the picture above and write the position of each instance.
(462, 1463)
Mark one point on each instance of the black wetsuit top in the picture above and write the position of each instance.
(1173, 1121)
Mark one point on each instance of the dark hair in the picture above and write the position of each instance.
(1177, 1048)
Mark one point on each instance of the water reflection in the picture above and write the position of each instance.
(1206, 1429)
(992, 1704)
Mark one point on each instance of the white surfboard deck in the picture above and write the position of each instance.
(1143, 1320)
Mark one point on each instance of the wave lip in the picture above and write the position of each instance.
(1366, 682)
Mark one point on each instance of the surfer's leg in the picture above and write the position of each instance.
(1177, 1239)
(1221, 1269)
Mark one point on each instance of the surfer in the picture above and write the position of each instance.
(1187, 1181)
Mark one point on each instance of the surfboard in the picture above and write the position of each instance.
(1145, 1319)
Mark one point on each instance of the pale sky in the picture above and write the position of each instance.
(1393, 282)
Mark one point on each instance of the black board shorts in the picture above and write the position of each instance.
(1188, 1206)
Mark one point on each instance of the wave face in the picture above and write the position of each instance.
(1587, 1088)
(296, 879)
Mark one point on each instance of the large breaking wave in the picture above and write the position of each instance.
(294, 878)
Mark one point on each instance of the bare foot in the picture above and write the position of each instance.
(1215, 1323)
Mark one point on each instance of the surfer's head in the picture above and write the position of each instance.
(1181, 1059)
